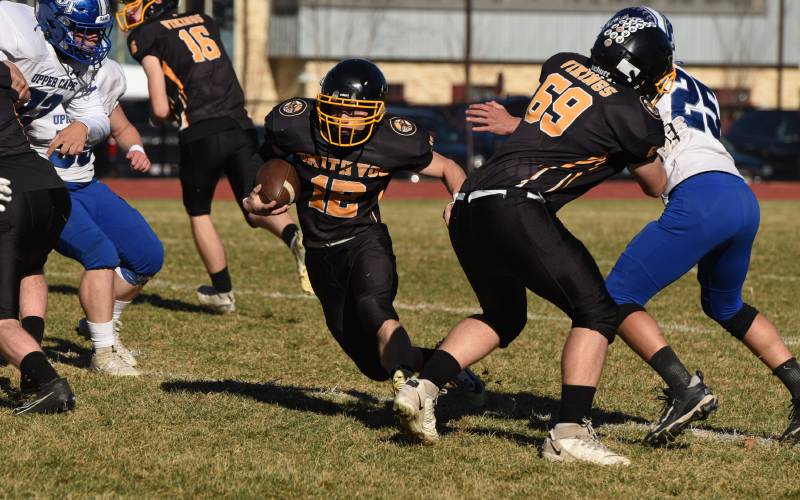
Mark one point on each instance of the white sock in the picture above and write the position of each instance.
(119, 306)
(102, 334)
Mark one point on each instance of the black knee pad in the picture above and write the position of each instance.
(507, 327)
(738, 324)
(625, 310)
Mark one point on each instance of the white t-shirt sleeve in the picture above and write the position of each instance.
(111, 84)
(87, 108)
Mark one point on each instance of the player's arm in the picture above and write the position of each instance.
(12, 78)
(447, 170)
(491, 117)
(128, 138)
(157, 88)
(651, 176)
(89, 123)
(253, 203)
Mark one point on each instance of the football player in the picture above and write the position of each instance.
(711, 219)
(345, 149)
(114, 243)
(589, 118)
(191, 81)
(30, 222)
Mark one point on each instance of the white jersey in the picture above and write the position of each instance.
(111, 86)
(51, 81)
(690, 113)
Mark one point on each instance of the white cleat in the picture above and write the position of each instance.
(579, 443)
(106, 361)
(414, 406)
(214, 301)
(399, 379)
(119, 348)
(122, 351)
(299, 252)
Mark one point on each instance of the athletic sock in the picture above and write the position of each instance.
(102, 334)
(288, 234)
(221, 281)
(576, 404)
(427, 354)
(666, 363)
(35, 371)
(441, 368)
(119, 306)
(34, 325)
(789, 373)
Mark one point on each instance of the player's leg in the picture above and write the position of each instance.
(721, 275)
(200, 168)
(83, 240)
(33, 304)
(140, 252)
(28, 229)
(502, 299)
(241, 171)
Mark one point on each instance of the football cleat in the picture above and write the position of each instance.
(696, 402)
(792, 433)
(470, 386)
(399, 378)
(53, 397)
(579, 443)
(414, 405)
(299, 252)
(215, 301)
(106, 361)
(119, 348)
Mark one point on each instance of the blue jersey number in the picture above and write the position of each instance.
(40, 104)
(66, 161)
(696, 104)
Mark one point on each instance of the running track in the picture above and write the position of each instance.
(169, 189)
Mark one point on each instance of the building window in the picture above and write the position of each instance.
(732, 102)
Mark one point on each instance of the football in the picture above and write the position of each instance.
(279, 182)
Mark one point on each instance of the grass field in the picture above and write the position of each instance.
(264, 404)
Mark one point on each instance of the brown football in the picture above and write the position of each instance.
(279, 182)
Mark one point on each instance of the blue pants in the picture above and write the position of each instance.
(711, 220)
(104, 232)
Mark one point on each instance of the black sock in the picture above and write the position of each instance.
(789, 373)
(576, 404)
(288, 234)
(670, 368)
(221, 281)
(35, 371)
(34, 325)
(427, 354)
(441, 368)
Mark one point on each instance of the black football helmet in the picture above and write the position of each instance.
(135, 12)
(635, 52)
(351, 102)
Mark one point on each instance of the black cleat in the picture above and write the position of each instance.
(792, 433)
(53, 397)
(696, 402)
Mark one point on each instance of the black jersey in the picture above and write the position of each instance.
(26, 170)
(204, 93)
(579, 129)
(340, 187)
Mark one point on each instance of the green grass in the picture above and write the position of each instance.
(264, 404)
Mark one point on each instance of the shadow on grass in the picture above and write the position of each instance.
(152, 299)
(67, 352)
(375, 413)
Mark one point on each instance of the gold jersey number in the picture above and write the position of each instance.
(200, 44)
(341, 202)
(554, 117)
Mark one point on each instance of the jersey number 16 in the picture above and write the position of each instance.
(200, 43)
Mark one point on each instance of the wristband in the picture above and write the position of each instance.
(136, 147)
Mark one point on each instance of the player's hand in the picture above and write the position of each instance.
(5, 193)
(446, 215)
(139, 161)
(255, 206)
(491, 117)
(71, 140)
(18, 83)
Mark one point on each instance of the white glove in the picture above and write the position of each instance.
(5, 193)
